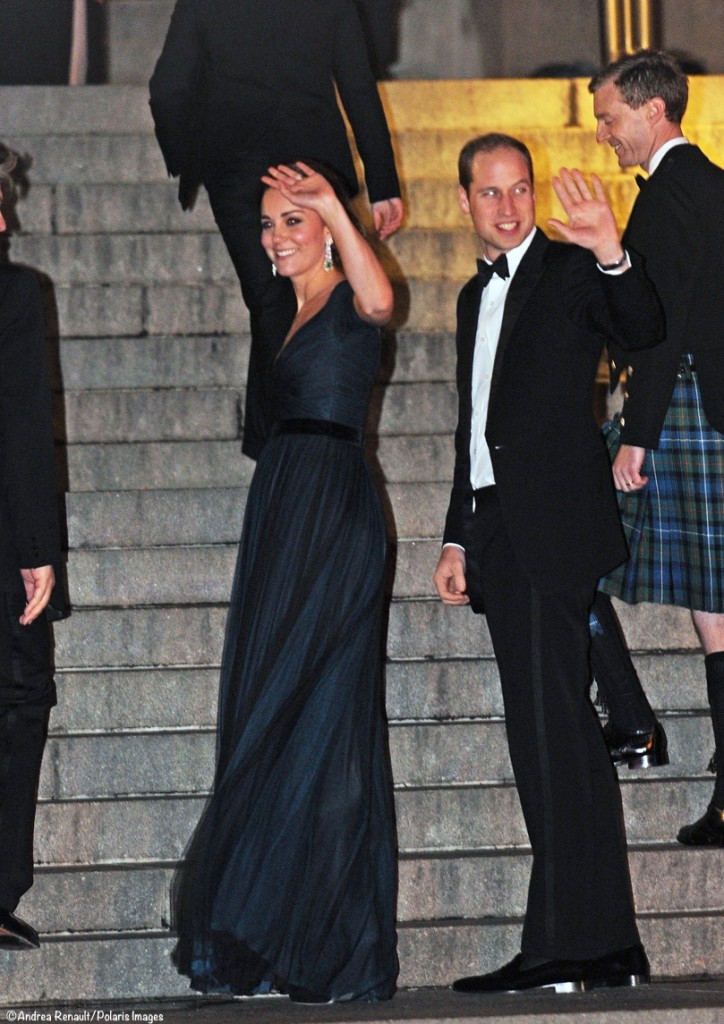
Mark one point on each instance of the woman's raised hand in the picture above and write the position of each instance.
(307, 187)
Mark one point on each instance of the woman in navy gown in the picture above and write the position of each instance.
(290, 878)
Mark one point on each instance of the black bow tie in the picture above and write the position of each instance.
(499, 267)
(641, 181)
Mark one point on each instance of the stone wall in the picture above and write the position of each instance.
(460, 38)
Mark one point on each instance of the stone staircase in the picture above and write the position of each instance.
(149, 368)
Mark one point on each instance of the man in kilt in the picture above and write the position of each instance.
(669, 468)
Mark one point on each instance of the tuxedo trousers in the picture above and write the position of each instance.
(27, 693)
(580, 904)
(235, 198)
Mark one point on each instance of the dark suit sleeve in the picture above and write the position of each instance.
(176, 90)
(467, 310)
(29, 507)
(676, 224)
(361, 101)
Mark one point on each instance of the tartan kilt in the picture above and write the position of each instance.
(675, 525)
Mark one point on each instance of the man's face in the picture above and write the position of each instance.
(500, 200)
(629, 132)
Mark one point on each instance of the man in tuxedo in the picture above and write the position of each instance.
(669, 469)
(29, 548)
(531, 526)
(245, 84)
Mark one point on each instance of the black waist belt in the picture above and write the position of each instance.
(328, 428)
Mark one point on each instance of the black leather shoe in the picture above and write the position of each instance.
(15, 933)
(637, 749)
(626, 967)
(707, 831)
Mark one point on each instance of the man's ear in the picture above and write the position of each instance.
(655, 110)
(463, 199)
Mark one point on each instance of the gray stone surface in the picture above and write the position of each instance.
(169, 414)
(140, 637)
(156, 464)
(135, 698)
(100, 158)
(90, 364)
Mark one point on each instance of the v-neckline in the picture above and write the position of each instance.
(313, 317)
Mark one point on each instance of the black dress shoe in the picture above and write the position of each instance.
(637, 749)
(15, 933)
(626, 967)
(707, 831)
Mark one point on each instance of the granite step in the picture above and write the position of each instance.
(418, 629)
(430, 819)
(214, 413)
(178, 697)
(125, 966)
(202, 573)
(190, 258)
(454, 753)
(167, 308)
(92, 364)
(213, 515)
(197, 464)
(457, 885)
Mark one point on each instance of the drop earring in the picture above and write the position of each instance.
(328, 261)
(274, 268)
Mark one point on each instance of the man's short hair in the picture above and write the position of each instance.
(488, 144)
(642, 76)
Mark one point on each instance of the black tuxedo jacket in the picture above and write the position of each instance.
(29, 531)
(245, 81)
(677, 226)
(552, 472)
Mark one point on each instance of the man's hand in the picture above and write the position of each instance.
(449, 578)
(591, 222)
(38, 588)
(626, 468)
(387, 215)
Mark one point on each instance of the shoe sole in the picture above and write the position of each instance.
(623, 981)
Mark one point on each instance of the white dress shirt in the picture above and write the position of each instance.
(490, 320)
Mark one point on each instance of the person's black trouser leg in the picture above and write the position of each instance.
(618, 682)
(580, 904)
(235, 200)
(26, 694)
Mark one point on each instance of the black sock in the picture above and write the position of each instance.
(715, 691)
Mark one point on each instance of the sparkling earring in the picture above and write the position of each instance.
(274, 268)
(328, 261)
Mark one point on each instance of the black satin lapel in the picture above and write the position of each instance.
(468, 330)
(521, 286)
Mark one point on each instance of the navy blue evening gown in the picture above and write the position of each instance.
(290, 877)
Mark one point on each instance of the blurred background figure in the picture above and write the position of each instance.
(242, 85)
(29, 556)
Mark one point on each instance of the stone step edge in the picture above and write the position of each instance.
(664, 715)
(399, 787)
(427, 924)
